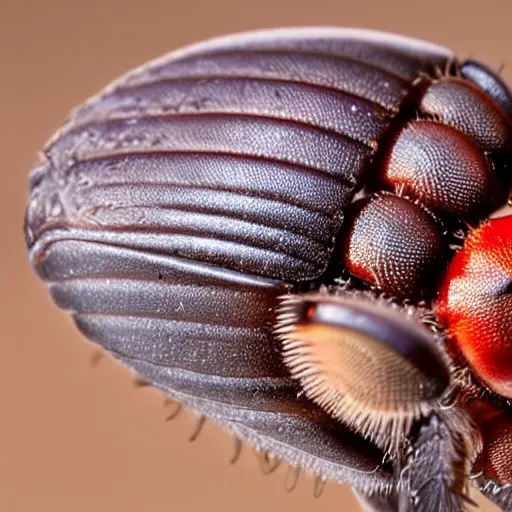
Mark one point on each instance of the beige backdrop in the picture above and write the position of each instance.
(76, 438)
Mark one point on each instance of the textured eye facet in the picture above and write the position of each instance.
(464, 106)
(475, 303)
(489, 82)
(363, 361)
(440, 166)
(496, 430)
(393, 244)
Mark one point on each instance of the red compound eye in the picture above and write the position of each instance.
(475, 303)
(496, 430)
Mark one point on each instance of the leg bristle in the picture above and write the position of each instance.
(175, 412)
(96, 357)
(268, 463)
(199, 427)
(238, 451)
(141, 383)
(292, 478)
(319, 488)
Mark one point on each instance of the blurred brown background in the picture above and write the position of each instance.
(77, 438)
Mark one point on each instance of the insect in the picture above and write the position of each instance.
(291, 232)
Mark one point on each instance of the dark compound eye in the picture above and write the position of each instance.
(480, 108)
(489, 82)
(467, 108)
(440, 166)
(393, 244)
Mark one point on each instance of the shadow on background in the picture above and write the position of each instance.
(77, 438)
